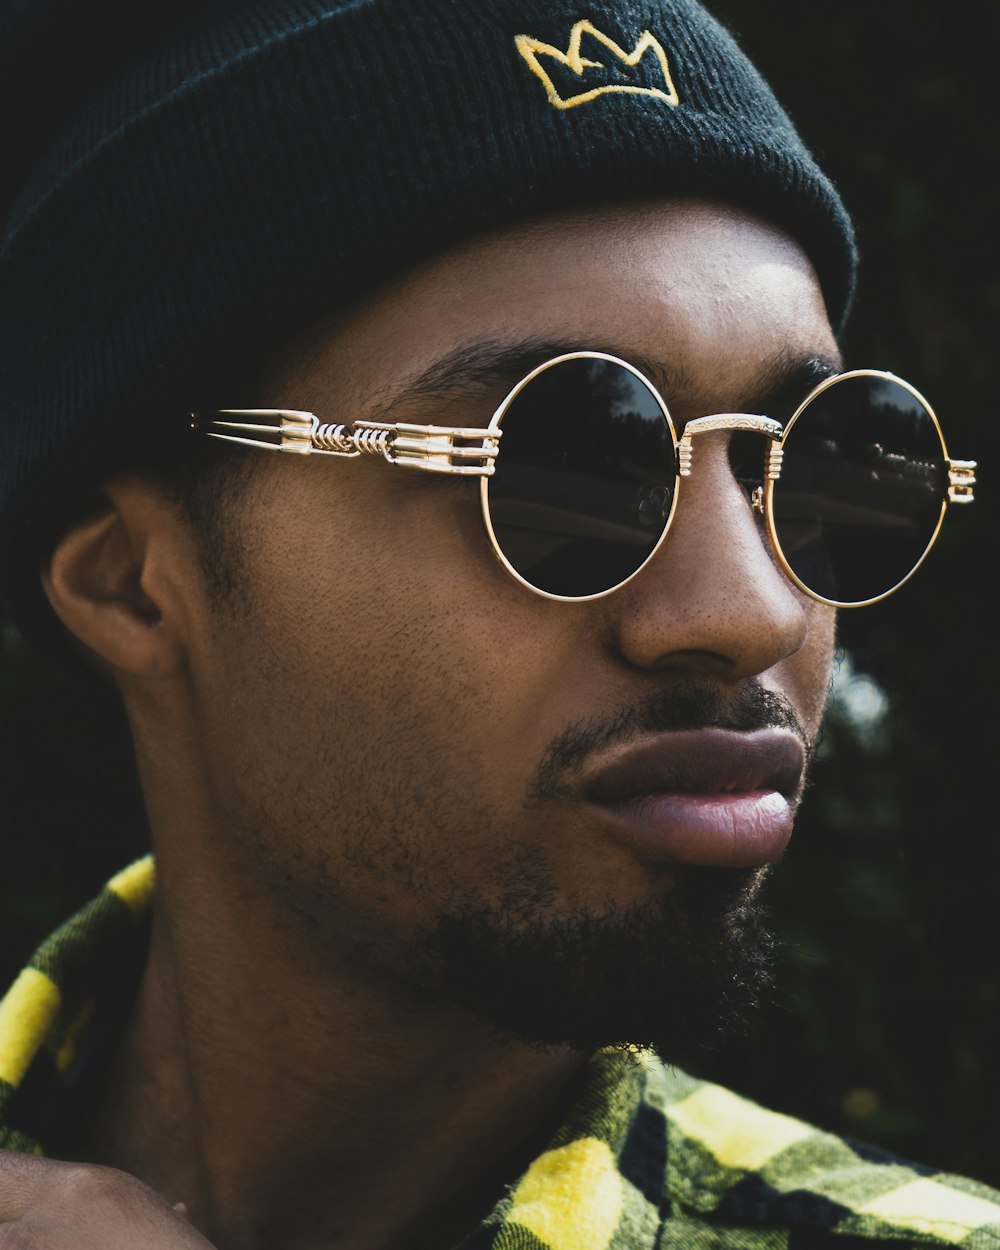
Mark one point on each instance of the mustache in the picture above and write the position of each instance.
(686, 707)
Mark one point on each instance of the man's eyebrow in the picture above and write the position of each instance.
(785, 380)
(484, 364)
(481, 364)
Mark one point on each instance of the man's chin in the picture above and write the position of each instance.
(679, 974)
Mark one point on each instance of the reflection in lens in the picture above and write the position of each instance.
(862, 488)
(584, 481)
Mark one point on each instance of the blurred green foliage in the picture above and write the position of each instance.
(885, 1022)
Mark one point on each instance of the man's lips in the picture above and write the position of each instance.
(711, 797)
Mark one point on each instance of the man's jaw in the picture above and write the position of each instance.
(678, 972)
(699, 784)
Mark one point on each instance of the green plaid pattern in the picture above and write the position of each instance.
(63, 1003)
(649, 1157)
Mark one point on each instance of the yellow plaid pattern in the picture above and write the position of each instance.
(649, 1158)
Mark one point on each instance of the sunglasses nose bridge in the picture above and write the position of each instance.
(730, 422)
(735, 422)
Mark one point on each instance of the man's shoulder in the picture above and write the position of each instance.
(654, 1157)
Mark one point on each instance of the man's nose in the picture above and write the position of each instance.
(713, 597)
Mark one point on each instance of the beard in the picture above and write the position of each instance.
(678, 970)
(679, 974)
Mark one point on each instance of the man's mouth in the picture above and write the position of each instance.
(708, 797)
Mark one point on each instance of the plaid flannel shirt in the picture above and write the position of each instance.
(649, 1157)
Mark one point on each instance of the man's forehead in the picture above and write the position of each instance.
(668, 285)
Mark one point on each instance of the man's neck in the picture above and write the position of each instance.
(291, 1112)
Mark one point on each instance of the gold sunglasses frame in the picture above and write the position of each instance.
(471, 451)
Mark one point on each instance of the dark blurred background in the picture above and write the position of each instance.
(885, 1022)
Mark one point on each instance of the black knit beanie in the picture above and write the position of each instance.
(188, 184)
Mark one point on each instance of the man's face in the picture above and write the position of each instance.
(413, 756)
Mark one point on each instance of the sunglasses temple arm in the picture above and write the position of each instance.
(457, 450)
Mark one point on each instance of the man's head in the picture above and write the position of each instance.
(397, 745)
(205, 186)
(348, 717)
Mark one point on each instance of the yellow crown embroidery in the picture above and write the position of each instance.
(573, 58)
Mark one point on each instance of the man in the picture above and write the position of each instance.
(469, 729)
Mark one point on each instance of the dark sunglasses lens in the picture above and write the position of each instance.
(862, 489)
(584, 479)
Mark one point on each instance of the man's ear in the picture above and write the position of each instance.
(103, 582)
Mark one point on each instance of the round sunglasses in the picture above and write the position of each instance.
(851, 490)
